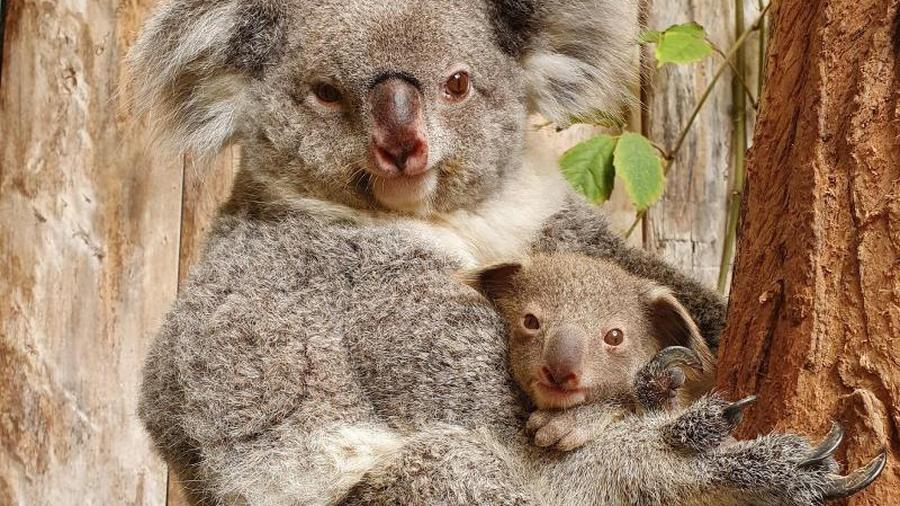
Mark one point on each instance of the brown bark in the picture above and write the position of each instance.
(815, 306)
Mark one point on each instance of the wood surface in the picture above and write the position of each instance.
(89, 226)
(814, 321)
(687, 226)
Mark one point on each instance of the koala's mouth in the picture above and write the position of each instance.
(404, 193)
(549, 396)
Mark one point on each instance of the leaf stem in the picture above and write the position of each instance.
(739, 74)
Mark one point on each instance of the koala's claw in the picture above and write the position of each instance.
(735, 411)
(658, 382)
(845, 486)
(827, 447)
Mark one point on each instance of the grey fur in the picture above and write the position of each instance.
(322, 348)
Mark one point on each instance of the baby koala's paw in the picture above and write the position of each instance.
(568, 429)
(656, 384)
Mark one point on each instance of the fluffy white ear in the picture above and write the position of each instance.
(192, 65)
(579, 55)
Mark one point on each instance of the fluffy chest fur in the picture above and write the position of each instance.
(500, 228)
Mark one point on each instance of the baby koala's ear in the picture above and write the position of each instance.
(492, 281)
(672, 325)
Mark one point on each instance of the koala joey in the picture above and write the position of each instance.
(583, 331)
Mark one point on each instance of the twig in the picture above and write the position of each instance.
(740, 76)
(739, 116)
(719, 72)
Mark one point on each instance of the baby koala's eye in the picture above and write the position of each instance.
(531, 322)
(327, 93)
(614, 337)
(457, 86)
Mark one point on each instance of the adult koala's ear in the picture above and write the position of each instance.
(579, 55)
(193, 63)
(672, 325)
(492, 281)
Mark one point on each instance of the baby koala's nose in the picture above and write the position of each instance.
(563, 357)
(564, 378)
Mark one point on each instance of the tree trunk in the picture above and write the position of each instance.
(88, 251)
(687, 225)
(815, 306)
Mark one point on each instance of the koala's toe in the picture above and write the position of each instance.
(537, 420)
(572, 441)
(553, 431)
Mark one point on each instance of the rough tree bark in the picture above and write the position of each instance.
(815, 307)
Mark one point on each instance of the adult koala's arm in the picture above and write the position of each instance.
(247, 391)
(581, 227)
(651, 460)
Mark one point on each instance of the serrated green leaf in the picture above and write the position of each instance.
(686, 43)
(588, 167)
(640, 169)
(692, 28)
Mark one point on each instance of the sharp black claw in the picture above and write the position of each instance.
(826, 447)
(734, 411)
(678, 356)
(845, 486)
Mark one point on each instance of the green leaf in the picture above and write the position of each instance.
(640, 169)
(685, 43)
(693, 29)
(588, 167)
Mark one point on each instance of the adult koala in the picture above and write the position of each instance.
(323, 351)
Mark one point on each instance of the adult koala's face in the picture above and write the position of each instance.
(409, 106)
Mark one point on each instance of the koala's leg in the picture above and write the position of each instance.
(581, 228)
(777, 469)
(449, 466)
(667, 458)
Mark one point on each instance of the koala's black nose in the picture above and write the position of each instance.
(399, 146)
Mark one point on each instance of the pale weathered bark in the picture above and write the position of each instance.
(815, 307)
(88, 255)
(686, 227)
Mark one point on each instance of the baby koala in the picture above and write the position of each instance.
(587, 339)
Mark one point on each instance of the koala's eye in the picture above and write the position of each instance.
(457, 86)
(531, 322)
(327, 93)
(614, 337)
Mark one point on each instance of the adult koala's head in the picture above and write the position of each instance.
(406, 105)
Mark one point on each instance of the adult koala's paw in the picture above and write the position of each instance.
(784, 469)
(706, 424)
